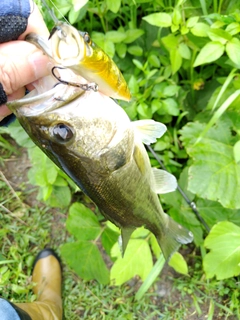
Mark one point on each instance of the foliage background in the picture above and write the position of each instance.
(181, 61)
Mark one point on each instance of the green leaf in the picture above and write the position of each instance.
(236, 151)
(109, 237)
(135, 50)
(115, 36)
(154, 60)
(176, 60)
(60, 197)
(170, 42)
(214, 174)
(170, 106)
(184, 51)
(19, 135)
(209, 53)
(78, 4)
(233, 28)
(85, 259)
(200, 29)
(213, 212)
(223, 260)
(121, 49)
(219, 35)
(144, 111)
(113, 6)
(137, 261)
(178, 263)
(160, 19)
(82, 222)
(233, 49)
(191, 22)
(133, 34)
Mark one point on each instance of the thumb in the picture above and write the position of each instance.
(20, 64)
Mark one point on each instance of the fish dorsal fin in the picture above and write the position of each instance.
(149, 130)
(163, 181)
(124, 238)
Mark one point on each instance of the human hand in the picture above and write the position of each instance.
(21, 62)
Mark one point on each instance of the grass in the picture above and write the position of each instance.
(27, 226)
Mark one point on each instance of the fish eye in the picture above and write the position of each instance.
(87, 38)
(62, 132)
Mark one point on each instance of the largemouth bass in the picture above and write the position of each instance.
(74, 49)
(92, 140)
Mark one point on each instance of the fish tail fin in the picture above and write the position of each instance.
(172, 237)
(124, 238)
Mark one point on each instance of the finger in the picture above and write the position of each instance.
(4, 111)
(35, 23)
(20, 64)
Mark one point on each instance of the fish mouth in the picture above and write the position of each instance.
(34, 104)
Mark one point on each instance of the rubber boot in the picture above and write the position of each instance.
(48, 278)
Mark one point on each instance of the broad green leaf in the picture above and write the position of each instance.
(233, 49)
(60, 197)
(170, 106)
(155, 246)
(84, 258)
(135, 50)
(137, 261)
(213, 212)
(176, 60)
(236, 151)
(132, 35)
(51, 171)
(109, 237)
(144, 111)
(115, 36)
(214, 174)
(113, 5)
(121, 49)
(233, 28)
(171, 90)
(223, 260)
(178, 263)
(184, 51)
(200, 29)
(160, 19)
(209, 53)
(191, 22)
(16, 131)
(176, 16)
(170, 42)
(154, 60)
(133, 85)
(78, 4)
(82, 222)
(219, 35)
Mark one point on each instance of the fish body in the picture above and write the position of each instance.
(93, 141)
(74, 49)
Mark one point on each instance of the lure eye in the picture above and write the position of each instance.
(87, 38)
(62, 132)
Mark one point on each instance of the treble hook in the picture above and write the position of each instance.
(86, 86)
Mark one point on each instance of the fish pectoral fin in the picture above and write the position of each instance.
(124, 238)
(149, 130)
(163, 181)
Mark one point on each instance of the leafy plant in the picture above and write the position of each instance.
(181, 62)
